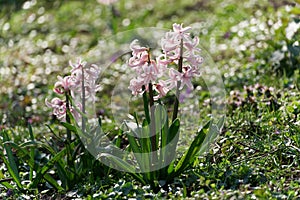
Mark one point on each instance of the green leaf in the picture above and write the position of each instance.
(4, 181)
(164, 140)
(295, 10)
(70, 127)
(10, 161)
(125, 166)
(212, 135)
(173, 131)
(144, 139)
(53, 182)
(168, 151)
(140, 144)
(133, 143)
(172, 140)
(6, 184)
(188, 157)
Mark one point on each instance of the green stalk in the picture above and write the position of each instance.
(176, 104)
(69, 136)
(153, 137)
(153, 125)
(83, 100)
(146, 105)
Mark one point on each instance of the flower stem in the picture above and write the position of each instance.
(68, 120)
(83, 100)
(69, 136)
(146, 104)
(153, 126)
(180, 62)
(153, 137)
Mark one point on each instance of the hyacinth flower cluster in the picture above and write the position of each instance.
(158, 77)
(178, 48)
(81, 82)
(154, 141)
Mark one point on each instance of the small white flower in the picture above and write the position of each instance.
(107, 2)
(277, 56)
(291, 29)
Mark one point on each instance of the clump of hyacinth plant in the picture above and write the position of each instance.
(76, 90)
(154, 142)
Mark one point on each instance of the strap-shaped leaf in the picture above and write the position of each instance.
(169, 148)
(10, 161)
(212, 135)
(172, 140)
(69, 126)
(133, 143)
(188, 157)
(123, 165)
(145, 140)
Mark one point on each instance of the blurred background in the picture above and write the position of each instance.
(252, 41)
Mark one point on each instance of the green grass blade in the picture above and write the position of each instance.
(4, 181)
(6, 184)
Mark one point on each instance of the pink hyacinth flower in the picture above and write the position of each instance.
(149, 73)
(186, 78)
(59, 108)
(63, 84)
(140, 55)
(180, 31)
(77, 67)
(170, 42)
(136, 85)
(174, 77)
(161, 88)
(192, 53)
(179, 28)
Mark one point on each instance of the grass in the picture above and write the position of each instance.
(256, 154)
